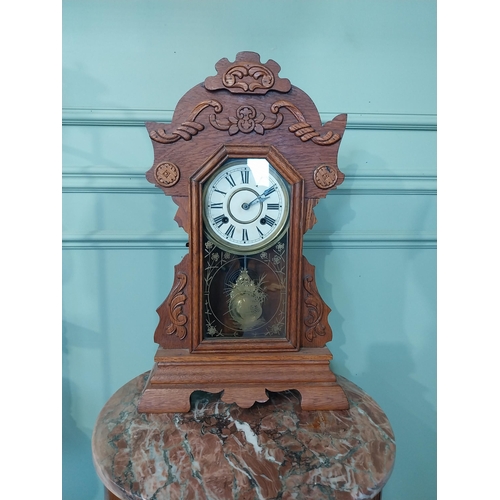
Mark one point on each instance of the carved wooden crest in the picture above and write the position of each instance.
(247, 75)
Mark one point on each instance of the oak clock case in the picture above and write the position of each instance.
(246, 159)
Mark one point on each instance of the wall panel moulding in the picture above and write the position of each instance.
(136, 118)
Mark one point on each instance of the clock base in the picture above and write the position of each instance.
(243, 378)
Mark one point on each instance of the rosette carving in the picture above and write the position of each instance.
(325, 177)
(167, 174)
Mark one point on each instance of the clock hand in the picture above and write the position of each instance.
(260, 198)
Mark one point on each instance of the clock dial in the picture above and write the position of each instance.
(245, 206)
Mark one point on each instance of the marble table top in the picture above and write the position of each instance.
(219, 451)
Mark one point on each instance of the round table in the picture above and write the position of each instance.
(219, 451)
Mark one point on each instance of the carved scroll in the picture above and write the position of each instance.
(172, 328)
(259, 77)
(302, 129)
(187, 129)
(176, 304)
(315, 310)
(247, 75)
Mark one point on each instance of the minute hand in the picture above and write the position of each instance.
(262, 197)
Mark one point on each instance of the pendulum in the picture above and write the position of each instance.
(245, 300)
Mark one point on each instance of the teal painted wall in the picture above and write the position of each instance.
(374, 245)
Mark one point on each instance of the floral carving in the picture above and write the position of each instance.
(175, 310)
(314, 305)
(246, 120)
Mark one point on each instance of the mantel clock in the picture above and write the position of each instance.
(246, 159)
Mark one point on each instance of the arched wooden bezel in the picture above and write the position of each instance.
(245, 111)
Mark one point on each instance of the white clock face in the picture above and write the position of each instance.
(245, 206)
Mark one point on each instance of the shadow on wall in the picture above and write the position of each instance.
(329, 222)
(86, 382)
(390, 374)
(78, 474)
(92, 153)
(77, 464)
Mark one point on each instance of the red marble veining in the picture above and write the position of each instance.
(219, 451)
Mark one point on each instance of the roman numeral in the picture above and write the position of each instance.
(245, 235)
(269, 220)
(244, 176)
(230, 180)
(218, 205)
(221, 192)
(220, 220)
(273, 206)
(260, 232)
(230, 231)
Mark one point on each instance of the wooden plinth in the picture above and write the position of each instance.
(243, 378)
